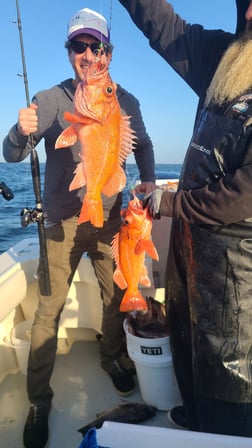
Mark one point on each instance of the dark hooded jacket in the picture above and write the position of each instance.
(215, 189)
(241, 6)
(208, 279)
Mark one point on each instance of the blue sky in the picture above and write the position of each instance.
(168, 105)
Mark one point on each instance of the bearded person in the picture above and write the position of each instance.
(209, 269)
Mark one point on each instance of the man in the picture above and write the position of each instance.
(209, 270)
(88, 39)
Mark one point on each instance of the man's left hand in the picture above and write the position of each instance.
(145, 188)
(152, 202)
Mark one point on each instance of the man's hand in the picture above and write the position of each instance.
(152, 202)
(28, 120)
(145, 188)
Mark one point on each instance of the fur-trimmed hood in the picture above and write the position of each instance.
(241, 6)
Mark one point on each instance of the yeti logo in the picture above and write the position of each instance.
(151, 350)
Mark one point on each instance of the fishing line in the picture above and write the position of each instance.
(110, 13)
(110, 16)
(36, 214)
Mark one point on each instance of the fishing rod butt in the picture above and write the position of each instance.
(6, 192)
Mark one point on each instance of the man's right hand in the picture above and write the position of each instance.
(28, 120)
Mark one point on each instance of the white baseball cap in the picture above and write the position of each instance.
(87, 21)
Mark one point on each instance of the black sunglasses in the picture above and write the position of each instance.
(97, 48)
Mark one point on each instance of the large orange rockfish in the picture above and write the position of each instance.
(106, 140)
(129, 247)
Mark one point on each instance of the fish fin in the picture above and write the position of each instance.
(72, 118)
(127, 139)
(92, 211)
(118, 276)
(115, 248)
(115, 183)
(133, 302)
(148, 247)
(144, 277)
(145, 281)
(68, 137)
(119, 279)
(79, 179)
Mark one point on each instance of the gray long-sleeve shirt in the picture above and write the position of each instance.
(58, 202)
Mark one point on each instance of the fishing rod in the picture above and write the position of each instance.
(36, 214)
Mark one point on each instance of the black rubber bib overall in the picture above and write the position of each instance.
(209, 288)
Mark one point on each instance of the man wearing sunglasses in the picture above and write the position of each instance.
(88, 37)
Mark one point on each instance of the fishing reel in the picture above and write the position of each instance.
(31, 215)
(6, 192)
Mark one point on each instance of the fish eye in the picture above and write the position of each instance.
(109, 90)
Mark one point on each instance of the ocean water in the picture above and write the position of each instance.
(17, 177)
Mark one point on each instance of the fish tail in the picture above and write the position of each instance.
(92, 211)
(133, 302)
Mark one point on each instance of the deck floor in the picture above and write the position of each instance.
(82, 389)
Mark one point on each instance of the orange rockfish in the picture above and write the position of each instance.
(106, 140)
(128, 248)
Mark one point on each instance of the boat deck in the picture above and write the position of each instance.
(82, 389)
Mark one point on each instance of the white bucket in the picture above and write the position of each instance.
(154, 367)
(20, 340)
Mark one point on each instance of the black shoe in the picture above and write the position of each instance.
(36, 426)
(177, 416)
(121, 378)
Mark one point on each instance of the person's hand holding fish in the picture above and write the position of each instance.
(161, 202)
(152, 202)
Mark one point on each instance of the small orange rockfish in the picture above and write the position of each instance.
(106, 140)
(128, 248)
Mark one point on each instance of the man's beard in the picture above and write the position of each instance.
(233, 76)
